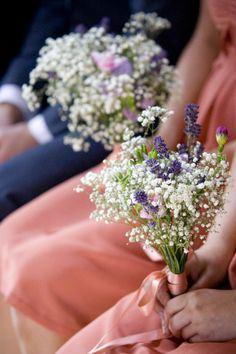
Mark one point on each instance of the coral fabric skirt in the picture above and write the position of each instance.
(63, 269)
(112, 326)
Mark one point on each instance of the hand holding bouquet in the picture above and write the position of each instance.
(170, 200)
(101, 81)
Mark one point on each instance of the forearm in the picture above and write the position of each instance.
(226, 234)
(193, 68)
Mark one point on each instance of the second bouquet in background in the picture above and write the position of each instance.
(169, 198)
(102, 82)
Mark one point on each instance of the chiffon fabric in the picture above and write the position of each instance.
(112, 326)
(218, 97)
(63, 269)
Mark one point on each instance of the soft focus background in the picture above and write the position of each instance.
(15, 20)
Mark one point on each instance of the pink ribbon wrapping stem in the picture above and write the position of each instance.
(152, 295)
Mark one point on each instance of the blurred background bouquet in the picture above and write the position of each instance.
(170, 198)
(102, 81)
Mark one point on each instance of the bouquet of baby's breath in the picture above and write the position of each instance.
(170, 198)
(101, 81)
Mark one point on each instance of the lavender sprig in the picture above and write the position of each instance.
(161, 147)
(141, 198)
(192, 128)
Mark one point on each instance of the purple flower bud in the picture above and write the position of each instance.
(141, 197)
(222, 136)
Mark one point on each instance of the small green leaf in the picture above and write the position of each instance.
(153, 154)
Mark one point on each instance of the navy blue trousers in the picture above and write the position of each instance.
(28, 175)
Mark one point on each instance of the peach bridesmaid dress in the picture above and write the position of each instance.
(63, 269)
(113, 328)
(218, 97)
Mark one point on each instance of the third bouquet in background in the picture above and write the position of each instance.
(101, 81)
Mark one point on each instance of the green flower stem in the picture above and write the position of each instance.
(174, 258)
(220, 156)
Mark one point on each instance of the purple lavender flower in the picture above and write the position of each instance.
(182, 149)
(153, 208)
(152, 224)
(192, 129)
(161, 147)
(141, 197)
(156, 59)
(175, 167)
(153, 165)
(52, 74)
(145, 215)
(105, 23)
(201, 180)
(145, 103)
(129, 114)
(163, 175)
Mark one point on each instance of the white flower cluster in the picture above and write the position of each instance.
(146, 24)
(149, 116)
(103, 82)
(168, 198)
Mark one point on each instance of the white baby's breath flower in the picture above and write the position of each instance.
(79, 189)
(152, 114)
